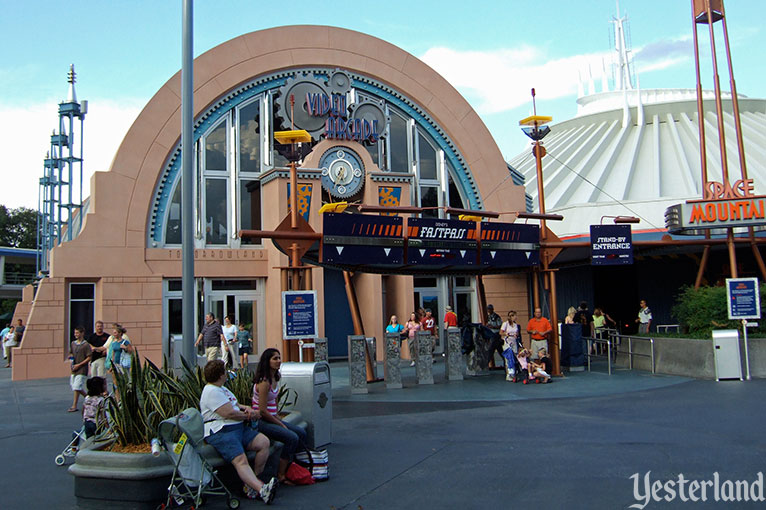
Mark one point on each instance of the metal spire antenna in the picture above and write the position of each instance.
(57, 208)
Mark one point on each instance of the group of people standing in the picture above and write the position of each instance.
(96, 355)
(11, 336)
(229, 343)
(422, 320)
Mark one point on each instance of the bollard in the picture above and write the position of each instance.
(357, 369)
(454, 367)
(392, 371)
(320, 349)
(425, 363)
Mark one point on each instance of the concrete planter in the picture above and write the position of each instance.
(690, 357)
(140, 480)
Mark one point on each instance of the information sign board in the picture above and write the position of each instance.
(510, 244)
(743, 298)
(441, 242)
(611, 245)
(299, 314)
(355, 239)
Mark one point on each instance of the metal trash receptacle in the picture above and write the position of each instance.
(312, 383)
(727, 360)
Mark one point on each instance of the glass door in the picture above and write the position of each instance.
(246, 313)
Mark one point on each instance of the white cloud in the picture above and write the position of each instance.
(500, 80)
(25, 138)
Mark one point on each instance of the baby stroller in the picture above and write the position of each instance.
(70, 451)
(79, 437)
(181, 437)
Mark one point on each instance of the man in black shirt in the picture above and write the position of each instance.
(211, 337)
(585, 318)
(97, 339)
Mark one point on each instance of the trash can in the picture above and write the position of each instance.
(312, 383)
(728, 363)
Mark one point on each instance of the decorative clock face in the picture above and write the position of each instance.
(342, 172)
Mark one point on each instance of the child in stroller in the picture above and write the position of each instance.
(93, 418)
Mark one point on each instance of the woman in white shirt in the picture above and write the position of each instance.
(231, 429)
(230, 355)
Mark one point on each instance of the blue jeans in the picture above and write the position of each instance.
(291, 437)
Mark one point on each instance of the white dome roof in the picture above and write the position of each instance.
(636, 152)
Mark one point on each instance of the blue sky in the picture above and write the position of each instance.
(493, 52)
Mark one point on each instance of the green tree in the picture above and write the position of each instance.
(18, 227)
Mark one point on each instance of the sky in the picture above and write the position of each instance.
(492, 52)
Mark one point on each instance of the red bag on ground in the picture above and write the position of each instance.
(299, 475)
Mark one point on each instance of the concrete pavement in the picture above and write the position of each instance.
(479, 443)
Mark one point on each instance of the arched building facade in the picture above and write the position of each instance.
(418, 142)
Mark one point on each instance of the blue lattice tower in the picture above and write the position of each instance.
(60, 195)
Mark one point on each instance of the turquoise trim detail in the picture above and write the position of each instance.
(166, 187)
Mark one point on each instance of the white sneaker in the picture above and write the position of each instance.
(268, 491)
(508, 377)
(412, 364)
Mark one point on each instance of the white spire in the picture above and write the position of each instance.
(580, 87)
(604, 79)
(71, 78)
(622, 78)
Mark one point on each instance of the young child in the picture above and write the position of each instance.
(542, 368)
(524, 371)
(245, 340)
(92, 415)
(79, 354)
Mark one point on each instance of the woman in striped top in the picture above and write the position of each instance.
(265, 393)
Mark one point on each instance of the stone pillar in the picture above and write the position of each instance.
(357, 370)
(320, 349)
(454, 367)
(425, 363)
(392, 371)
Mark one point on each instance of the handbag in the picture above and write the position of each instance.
(299, 475)
(315, 461)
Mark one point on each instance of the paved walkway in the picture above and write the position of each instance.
(480, 443)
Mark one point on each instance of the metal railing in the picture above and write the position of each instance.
(591, 342)
(613, 342)
(618, 342)
(17, 278)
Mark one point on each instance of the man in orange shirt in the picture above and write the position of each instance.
(539, 328)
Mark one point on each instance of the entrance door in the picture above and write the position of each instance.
(246, 312)
(464, 306)
(428, 299)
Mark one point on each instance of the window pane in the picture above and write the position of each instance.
(427, 159)
(398, 144)
(175, 285)
(373, 150)
(81, 291)
(175, 313)
(234, 285)
(424, 281)
(249, 138)
(216, 228)
(173, 228)
(429, 197)
(250, 208)
(215, 149)
(80, 314)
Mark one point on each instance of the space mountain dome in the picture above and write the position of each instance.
(632, 152)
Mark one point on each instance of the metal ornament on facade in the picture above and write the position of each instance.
(342, 172)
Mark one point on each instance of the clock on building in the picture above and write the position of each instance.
(342, 172)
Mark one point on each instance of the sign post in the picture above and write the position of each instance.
(743, 302)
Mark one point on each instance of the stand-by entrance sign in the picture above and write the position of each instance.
(743, 298)
(611, 245)
(299, 314)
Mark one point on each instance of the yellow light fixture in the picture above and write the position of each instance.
(468, 217)
(292, 136)
(333, 207)
(535, 120)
